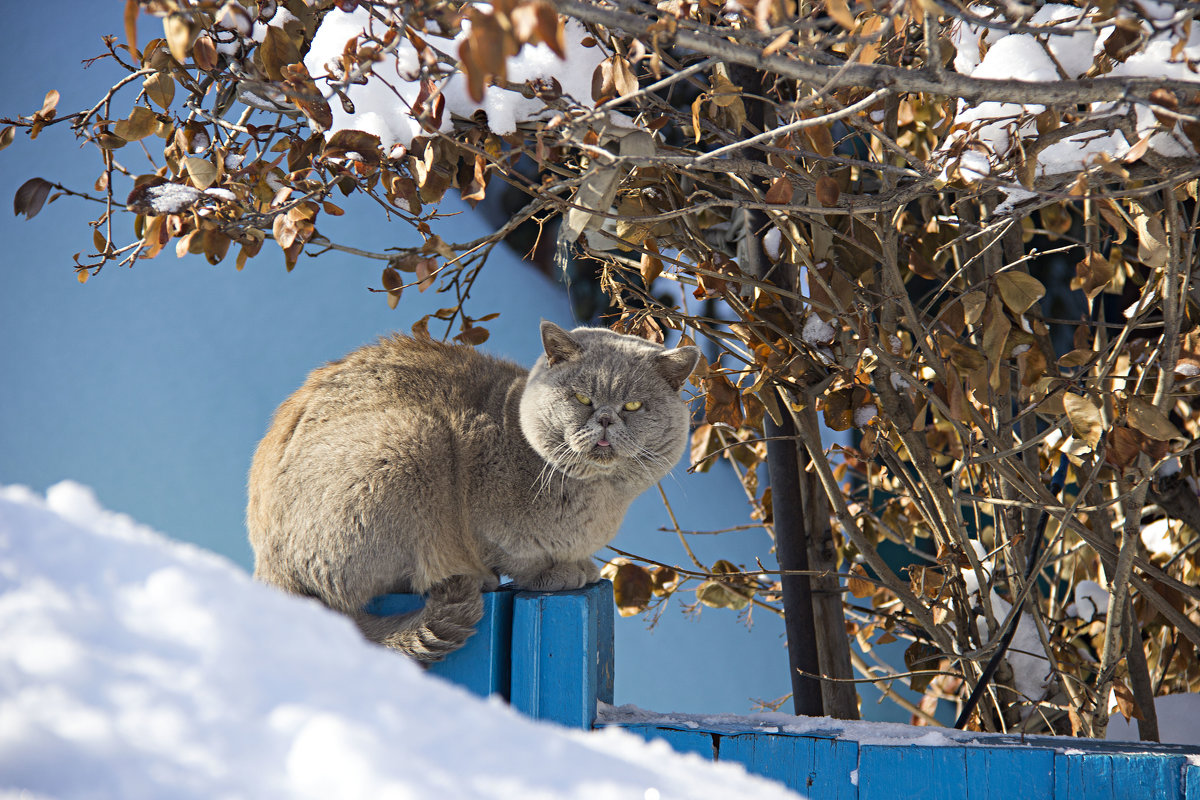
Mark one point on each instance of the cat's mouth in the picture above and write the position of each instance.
(603, 450)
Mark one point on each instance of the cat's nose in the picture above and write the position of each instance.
(605, 418)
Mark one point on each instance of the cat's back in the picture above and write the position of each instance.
(379, 392)
(400, 370)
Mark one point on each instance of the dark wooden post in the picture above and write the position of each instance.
(791, 548)
(833, 644)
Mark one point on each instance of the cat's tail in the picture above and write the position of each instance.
(452, 609)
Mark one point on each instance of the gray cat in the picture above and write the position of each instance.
(414, 466)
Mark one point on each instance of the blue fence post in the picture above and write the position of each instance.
(483, 665)
(562, 656)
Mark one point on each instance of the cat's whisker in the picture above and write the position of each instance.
(549, 468)
(656, 465)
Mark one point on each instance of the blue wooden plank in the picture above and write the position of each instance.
(833, 774)
(682, 741)
(1116, 776)
(483, 664)
(1140, 776)
(555, 662)
(1191, 783)
(913, 772)
(818, 768)
(602, 598)
(782, 758)
(1080, 775)
(1001, 773)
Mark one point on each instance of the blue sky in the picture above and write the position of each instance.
(153, 384)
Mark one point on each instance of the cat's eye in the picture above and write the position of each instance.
(583, 398)
(633, 405)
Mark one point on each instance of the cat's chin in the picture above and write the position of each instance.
(591, 465)
(602, 453)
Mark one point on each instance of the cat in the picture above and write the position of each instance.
(415, 466)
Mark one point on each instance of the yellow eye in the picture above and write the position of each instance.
(583, 398)
(633, 405)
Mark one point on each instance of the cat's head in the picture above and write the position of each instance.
(599, 403)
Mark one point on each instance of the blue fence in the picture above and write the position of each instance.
(551, 656)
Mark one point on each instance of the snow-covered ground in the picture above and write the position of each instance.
(136, 667)
(132, 666)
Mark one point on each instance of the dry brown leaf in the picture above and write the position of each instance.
(840, 13)
(178, 31)
(827, 191)
(160, 88)
(1153, 249)
(1149, 420)
(1092, 274)
(780, 192)
(1085, 418)
(859, 586)
(1019, 290)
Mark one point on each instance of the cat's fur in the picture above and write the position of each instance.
(414, 466)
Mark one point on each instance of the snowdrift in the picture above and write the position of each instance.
(136, 667)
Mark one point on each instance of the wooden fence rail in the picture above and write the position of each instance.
(551, 656)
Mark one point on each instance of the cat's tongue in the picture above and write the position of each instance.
(603, 443)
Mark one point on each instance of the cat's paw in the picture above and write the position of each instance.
(562, 576)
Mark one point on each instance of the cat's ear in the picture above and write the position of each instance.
(676, 365)
(558, 343)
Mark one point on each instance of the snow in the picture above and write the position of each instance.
(996, 128)
(381, 104)
(1017, 56)
(864, 414)
(1031, 669)
(1078, 151)
(171, 198)
(136, 667)
(1178, 721)
(885, 733)
(772, 243)
(1156, 536)
(986, 565)
(1178, 717)
(968, 39)
(1091, 601)
(233, 26)
(1156, 61)
(1013, 197)
(817, 330)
